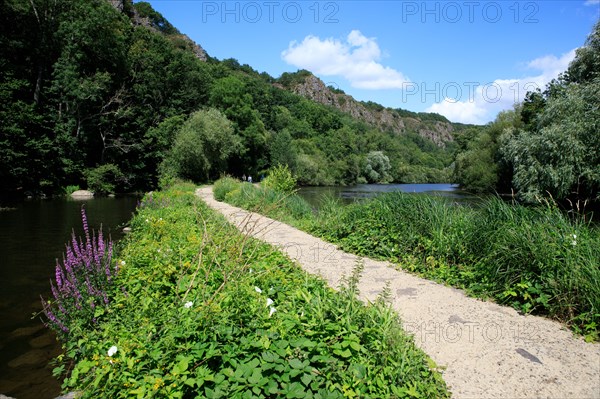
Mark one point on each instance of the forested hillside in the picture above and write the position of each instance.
(108, 95)
(549, 145)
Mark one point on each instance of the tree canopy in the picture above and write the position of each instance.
(549, 146)
(90, 92)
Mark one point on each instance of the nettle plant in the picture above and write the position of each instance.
(82, 281)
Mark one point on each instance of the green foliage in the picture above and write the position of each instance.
(377, 167)
(479, 165)
(562, 158)
(586, 65)
(537, 260)
(202, 147)
(81, 85)
(475, 168)
(204, 311)
(105, 179)
(280, 179)
(156, 20)
(71, 189)
(290, 80)
(282, 150)
(548, 147)
(262, 199)
(223, 186)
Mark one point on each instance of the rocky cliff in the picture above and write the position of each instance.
(141, 15)
(387, 119)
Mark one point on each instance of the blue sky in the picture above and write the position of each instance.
(467, 60)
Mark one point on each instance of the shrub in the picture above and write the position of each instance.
(280, 179)
(104, 179)
(223, 186)
(71, 189)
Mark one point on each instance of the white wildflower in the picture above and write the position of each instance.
(112, 350)
(258, 290)
(122, 263)
(269, 301)
(188, 305)
(271, 311)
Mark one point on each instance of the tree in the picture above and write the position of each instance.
(203, 146)
(377, 168)
(479, 166)
(558, 151)
(562, 158)
(282, 150)
(586, 65)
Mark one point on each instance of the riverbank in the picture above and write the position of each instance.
(32, 237)
(486, 350)
(536, 259)
(199, 309)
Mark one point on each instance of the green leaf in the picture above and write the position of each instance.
(296, 364)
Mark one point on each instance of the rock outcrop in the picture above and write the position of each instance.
(82, 195)
(180, 40)
(387, 119)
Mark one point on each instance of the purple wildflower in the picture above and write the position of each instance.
(81, 280)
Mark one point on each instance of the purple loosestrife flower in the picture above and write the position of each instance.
(81, 280)
(58, 275)
(86, 231)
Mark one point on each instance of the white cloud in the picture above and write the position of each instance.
(481, 103)
(459, 111)
(355, 59)
(592, 2)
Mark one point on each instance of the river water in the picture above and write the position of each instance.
(349, 194)
(32, 237)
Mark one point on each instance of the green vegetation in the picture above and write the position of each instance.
(202, 146)
(536, 259)
(548, 146)
(280, 179)
(84, 85)
(199, 310)
(105, 179)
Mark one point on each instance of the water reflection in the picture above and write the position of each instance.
(32, 236)
(349, 194)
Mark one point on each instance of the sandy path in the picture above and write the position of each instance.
(489, 351)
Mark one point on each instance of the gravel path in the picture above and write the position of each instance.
(489, 351)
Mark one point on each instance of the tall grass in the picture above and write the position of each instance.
(536, 259)
(282, 206)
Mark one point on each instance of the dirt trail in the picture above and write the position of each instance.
(489, 351)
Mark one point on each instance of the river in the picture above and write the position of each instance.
(349, 194)
(32, 237)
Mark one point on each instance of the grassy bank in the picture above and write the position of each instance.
(198, 310)
(535, 259)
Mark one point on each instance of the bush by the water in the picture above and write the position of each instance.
(280, 179)
(536, 259)
(204, 311)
